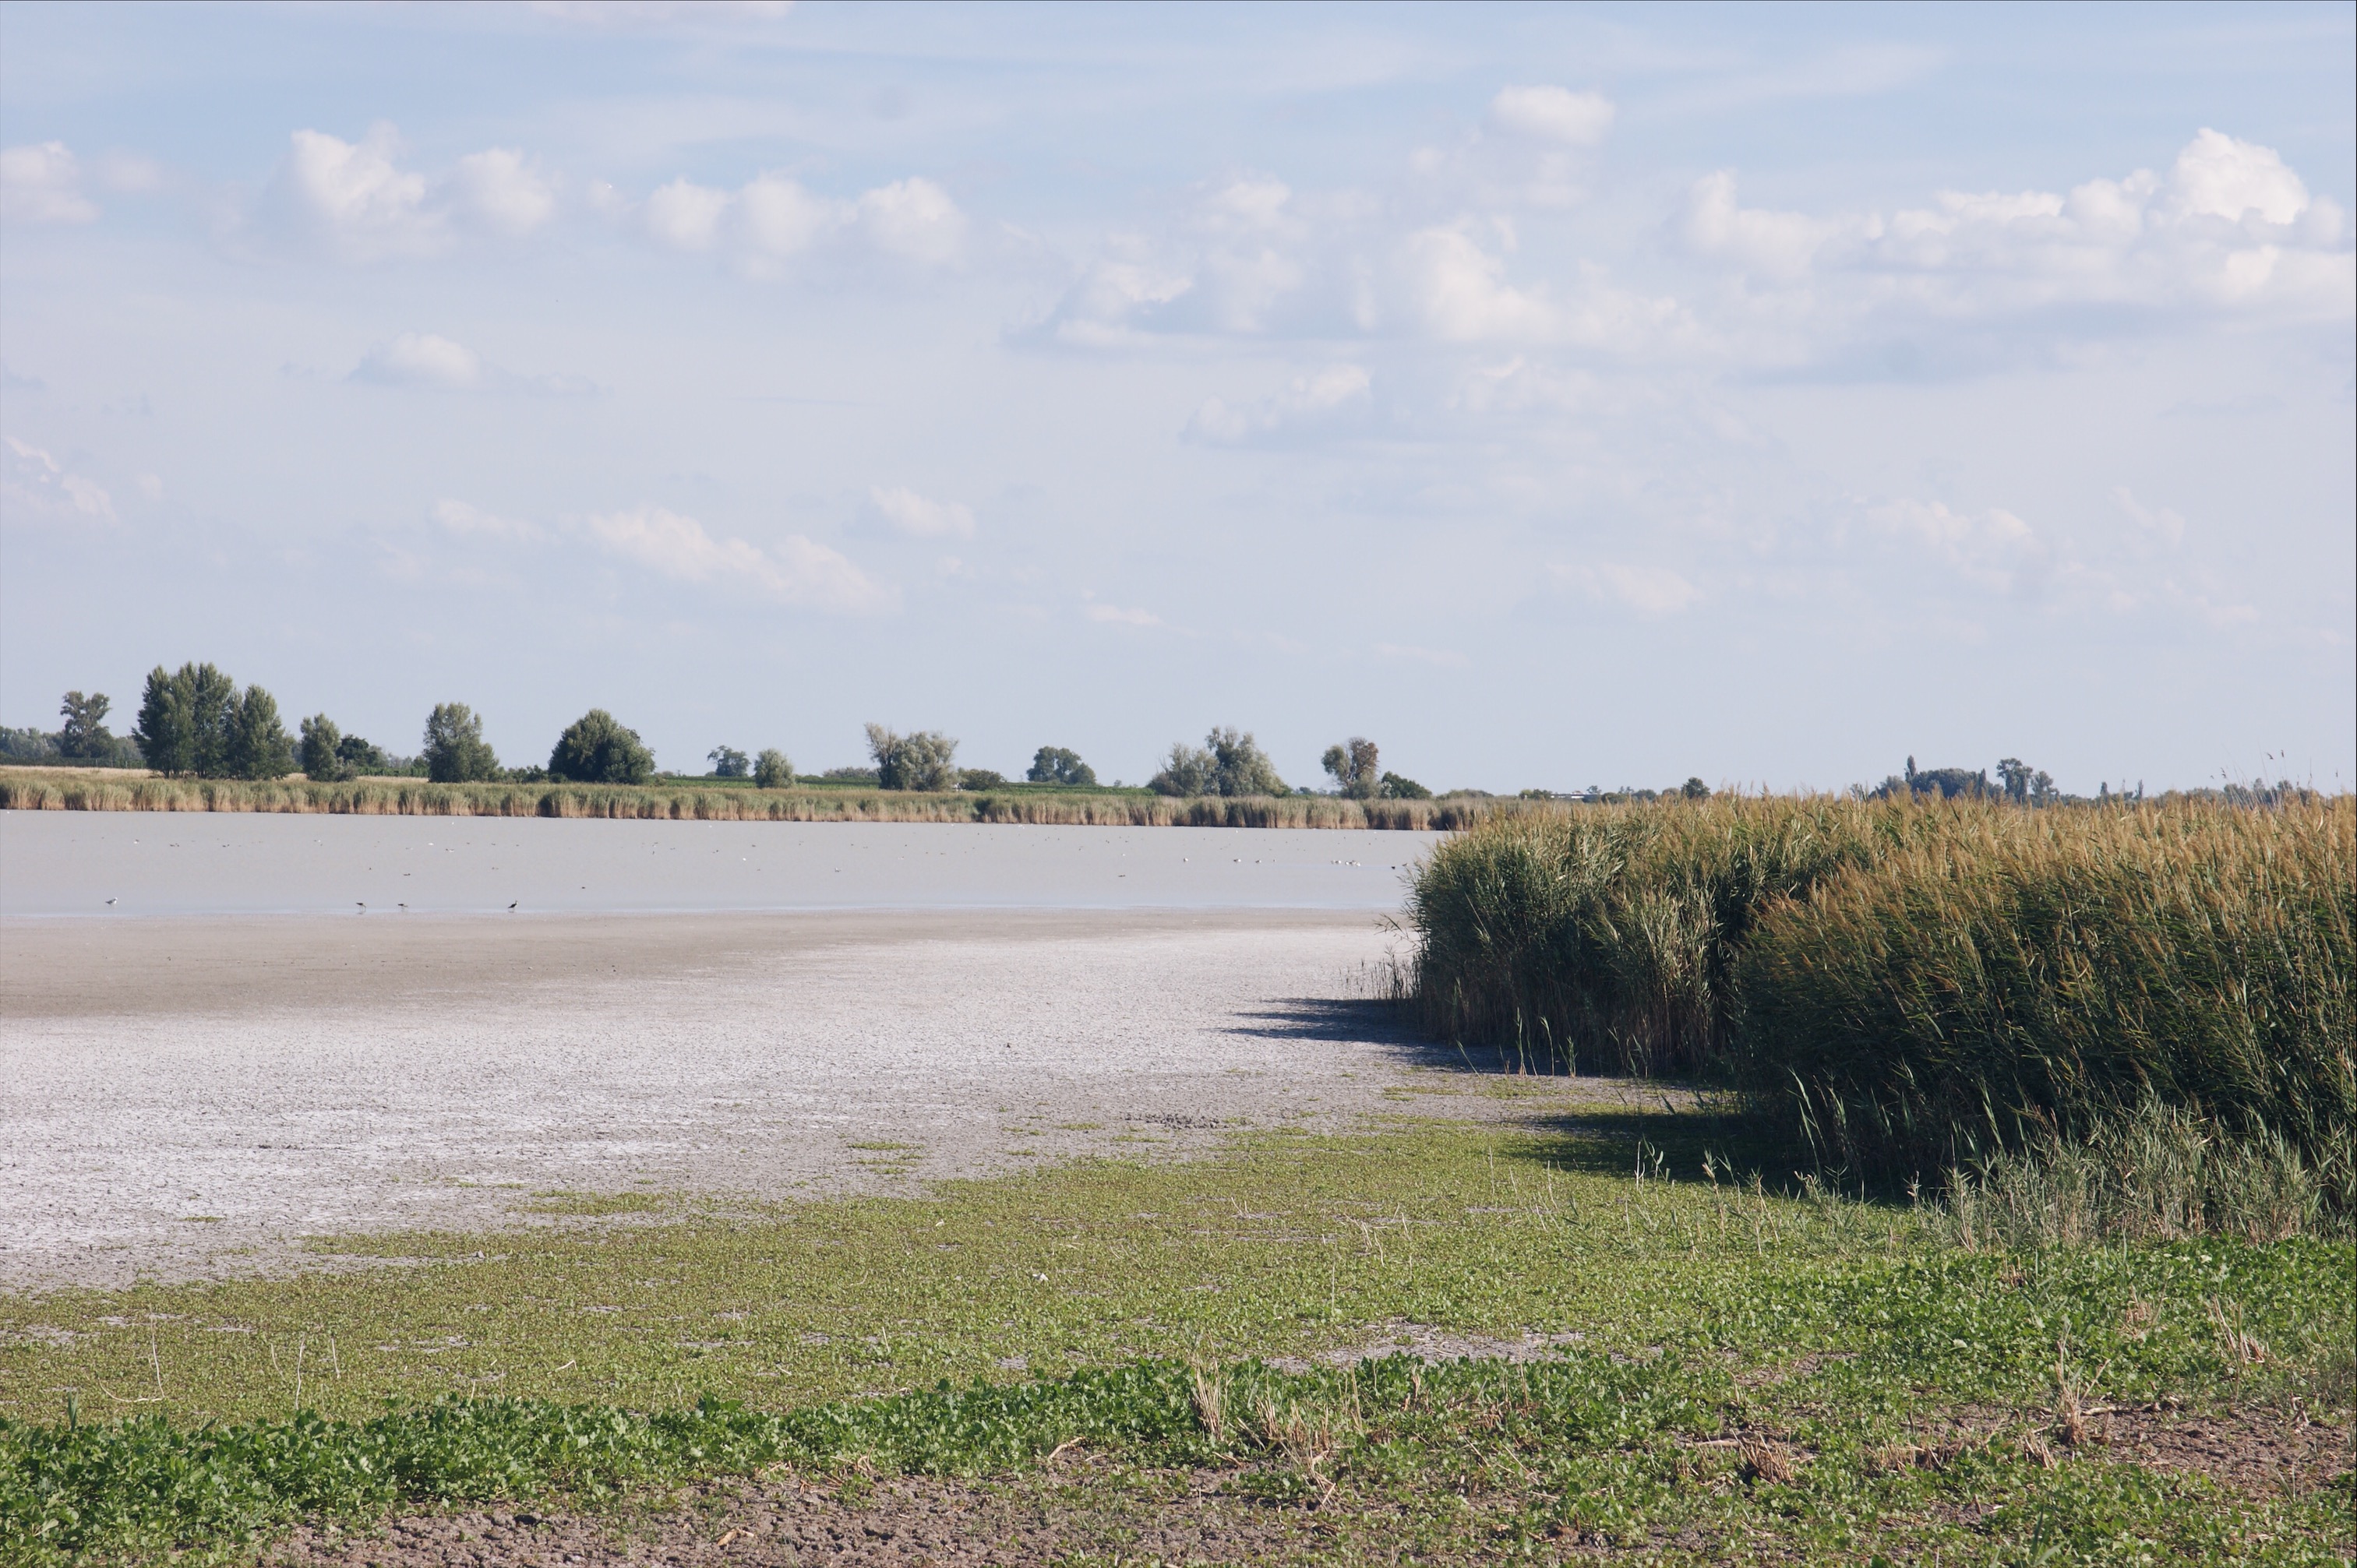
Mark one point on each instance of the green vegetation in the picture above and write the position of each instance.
(1899, 983)
(82, 740)
(819, 799)
(773, 769)
(1797, 1375)
(196, 724)
(1060, 765)
(456, 752)
(727, 762)
(597, 748)
(1227, 764)
(922, 761)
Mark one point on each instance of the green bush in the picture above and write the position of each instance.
(597, 748)
(773, 770)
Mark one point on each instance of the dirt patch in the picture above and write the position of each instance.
(1153, 1516)
(2252, 1451)
(1430, 1344)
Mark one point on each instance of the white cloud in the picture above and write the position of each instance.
(504, 191)
(41, 183)
(34, 481)
(797, 570)
(355, 200)
(473, 522)
(1112, 615)
(1993, 548)
(1553, 114)
(772, 218)
(1330, 400)
(420, 359)
(1649, 590)
(914, 220)
(2163, 527)
(906, 511)
(685, 215)
(2230, 229)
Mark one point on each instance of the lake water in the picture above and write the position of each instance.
(170, 863)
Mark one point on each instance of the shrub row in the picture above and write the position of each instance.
(1901, 986)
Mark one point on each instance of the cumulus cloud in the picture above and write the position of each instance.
(1331, 399)
(1993, 548)
(1649, 590)
(356, 201)
(796, 571)
(420, 359)
(41, 183)
(905, 511)
(35, 482)
(773, 220)
(1249, 257)
(2230, 229)
(504, 191)
(1553, 114)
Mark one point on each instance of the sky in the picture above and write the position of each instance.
(1558, 396)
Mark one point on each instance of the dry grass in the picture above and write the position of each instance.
(55, 790)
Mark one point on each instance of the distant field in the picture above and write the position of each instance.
(732, 799)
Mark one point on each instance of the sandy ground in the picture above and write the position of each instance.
(188, 1097)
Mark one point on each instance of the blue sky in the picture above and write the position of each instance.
(1558, 395)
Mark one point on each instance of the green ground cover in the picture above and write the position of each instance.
(1794, 1376)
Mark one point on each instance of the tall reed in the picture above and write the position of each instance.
(1604, 939)
(2055, 968)
(47, 789)
(1902, 986)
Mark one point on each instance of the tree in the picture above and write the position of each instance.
(917, 761)
(360, 756)
(1695, 790)
(596, 748)
(322, 751)
(456, 752)
(1188, 771)
(1356, 768)
(976, 779)
(773, 770)
(83, 734)
(1396, 787)
(1240, 766)
(258, 745)
(185, 721)
(1060, 765)
(727, 762)
(1227, 764)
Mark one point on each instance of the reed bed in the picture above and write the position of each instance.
(1905, 987)
(47, 789)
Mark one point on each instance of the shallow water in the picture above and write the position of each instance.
(170, 863)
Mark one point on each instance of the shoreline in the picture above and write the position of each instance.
(25, 790)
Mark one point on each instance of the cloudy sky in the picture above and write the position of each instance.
(1558, 396)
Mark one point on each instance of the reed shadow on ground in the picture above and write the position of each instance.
(1666, 1128)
